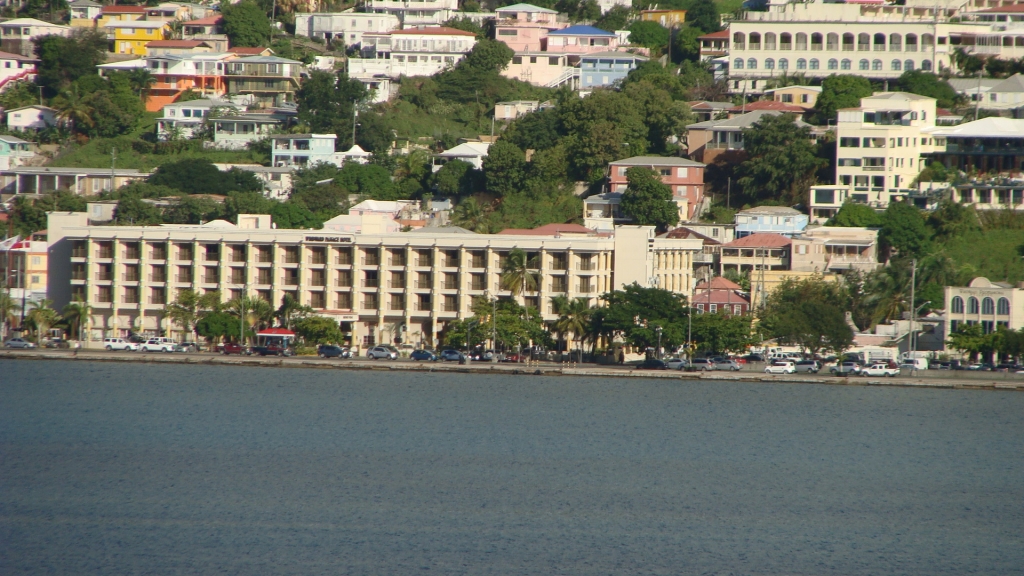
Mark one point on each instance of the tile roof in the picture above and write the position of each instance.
(737, 123)
(768, 105)
(1012, 9)
(763, 240)
(715, 35)
(175, 44)
(687, 234)
(207, 21)
(526, 8)
(718, 283)
(254, 51)
(124, 10)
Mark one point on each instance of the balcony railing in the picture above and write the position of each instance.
(396, 284)
(186, 278)
(79, 275)
(105, 254)
(423, 306)
(450, 285)
(424, 261)
(79, 253)
(130, 277)
(424, 284)
(586, 265)
(396, 261)
(104, 276)
(585, 288)
(370, 261)
(158, 278)
(370, 283)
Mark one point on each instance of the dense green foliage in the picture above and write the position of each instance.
(647, 200)
(649, 34)
(856, 215)
(809, 313)
(196, 176)
(65, 60)
(782, 162)
(840, 91)
(327, 102)
(927, 84)
(246, 24)
(704, 15)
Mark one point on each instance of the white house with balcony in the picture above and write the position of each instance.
(181, 120)
(411, 52)
(471, 152)
(17, 35)
(236, 131)
(346, 27)
(301, 150)
(411, 13)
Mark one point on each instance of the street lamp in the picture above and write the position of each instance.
(494, 329)
(658, 351)
(913, 333)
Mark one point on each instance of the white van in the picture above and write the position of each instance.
(914, 364)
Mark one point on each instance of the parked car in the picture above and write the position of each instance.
(845, 369)
(515, 358)
(423, 356)
(880, 369)
(450, 355)
(19, 343)
(974, 367)
(155, 345)
(727, 364)
(482, 356)
(271, 350)
(234, 348)
(112, 344)
(703, 364)
(753, 358)
(780, 367)
(385, 352)
(331, 351)
(652, 364)
(808, 366)
(676, 363)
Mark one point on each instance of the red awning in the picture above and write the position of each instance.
(275, 332)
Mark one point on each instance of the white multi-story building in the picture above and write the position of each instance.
(880, 144)
(347, 27)
(415, 12)
(817, 40)
(182, 119)
(411, 52)
(375, 285)
(983, 302)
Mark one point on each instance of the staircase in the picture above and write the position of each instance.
(570, 76)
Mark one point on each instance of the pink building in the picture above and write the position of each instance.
(684, 177)
(720, 294)
(581, 40)
(525, 27)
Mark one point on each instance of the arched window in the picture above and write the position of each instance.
(769, 41)
(895, 42)
(801, 41)
(814, 64)
(911, 44)
(755, 41)
(751, 63)
(863, 42)
(785, 41)
(833, 64)
(1003, 307)
(816, 41)
(739, 39)
(926, 65)
(844, 65)
(908, 65)
(783, 64)
(972, 305)
(801, 64)
(988, 306)
(832, 41)
(879, 42)
(737, 64)
(848, 42)
(876, 64)
(769, 63)
(896, 65)
(863, 65)
(958, 305)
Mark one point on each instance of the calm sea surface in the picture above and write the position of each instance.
(141, 469)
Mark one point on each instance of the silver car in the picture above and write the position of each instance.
(703, 364)
(676, 363)
(727, 364)
(808, 366)
(19, 343)
(385, 352)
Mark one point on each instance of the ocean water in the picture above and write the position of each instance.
(140, 469)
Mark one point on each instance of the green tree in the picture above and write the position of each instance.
(456, 178)
(190, 307)
(781, 162)
(216, 325)
(317, 330)
(135, 211)
(808, 313)
(19, 94)
(703, 14)
(951, 220)
(518, 273)
(200, 176)
(721, 332)
(291, 311)
(326, 103)
(573, 318)
(686, 46)
(246, 24)
(647, 200)
(504, 168)
(466, 25)
(928, 84)
(636, 312)
(374, 133)
(904, 230)
(968, 339)
(617, 18)
(41, 316)
(75, 107)
(840, 91)
(601, 128)
(63, 60)
(855, 215)
(294, 215)
(578, 10)
(536, 131)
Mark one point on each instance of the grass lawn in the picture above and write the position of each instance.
(994, 254)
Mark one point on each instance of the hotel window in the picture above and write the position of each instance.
(451, 303)
(317, 300)
(103, 294)
(344, 301)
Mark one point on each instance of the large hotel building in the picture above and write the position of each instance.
(378, 286)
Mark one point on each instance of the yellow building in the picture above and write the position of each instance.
(132, 37)
(667, 18)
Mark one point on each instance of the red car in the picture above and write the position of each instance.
(234, 348)
(514, 358)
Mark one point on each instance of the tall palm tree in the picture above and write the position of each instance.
(889, 290)
(518, 277)
(190, 307)
(141, 80)
(471, 216)
(77, 314)
(8, 306)
(251, 311)
(574, 319)
(42, 316)
(73, 107)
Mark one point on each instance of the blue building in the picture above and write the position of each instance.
(771, 219)
(604, 68)
(302, 149)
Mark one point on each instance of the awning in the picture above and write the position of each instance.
(281, 332)
(849, 242)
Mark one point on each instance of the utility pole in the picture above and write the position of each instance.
(728, 192)
(113, 162)
(355, 111)
(494, 327)
(977, 95)
(913, 310)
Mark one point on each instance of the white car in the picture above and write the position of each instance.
(386, 352)
(112, 344)
(155, 345)
(676, 363)
(780, 367)
(880, 369)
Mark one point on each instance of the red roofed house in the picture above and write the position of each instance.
(411, 52)
(250, 51)
(115, 13)
(766, 105)
(209, 30)
(720, 294)
(766, 251)
(714, 45)
(684, 177)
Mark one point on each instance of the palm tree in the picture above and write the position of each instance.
(77, 314)
(574, 318)
(42, 316)
(889, 290)
(73, 107)
(251, 311)
(517, 277)
(290, 310)
(141, 80)
(471, 216)
(560, 304)
(8, 306)
(190, 307)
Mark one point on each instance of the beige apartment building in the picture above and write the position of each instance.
(985, 303)
(376, 286)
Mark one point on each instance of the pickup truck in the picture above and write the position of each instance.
(880, 369)
(271, 350)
